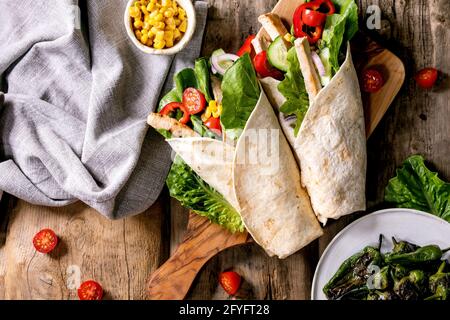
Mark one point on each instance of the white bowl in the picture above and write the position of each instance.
(182, 43)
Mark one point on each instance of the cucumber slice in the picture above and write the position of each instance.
(277, 54)
(324, 55)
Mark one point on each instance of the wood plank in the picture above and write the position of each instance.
(117, 254)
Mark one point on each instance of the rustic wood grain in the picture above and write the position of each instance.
(417, 122)
(117, 254)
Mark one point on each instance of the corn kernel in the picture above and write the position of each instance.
(168, 35)
(146, 26)
(138, 34)
(144, 38)
(183, 26)
(150, 6)
(159, 17)
(177, 34)
(177, 22)
(168, 13)
(154, 30)
(149, 42)
(153, 14)
(166, 3)
(160, 25)
(159, 44)
(169, 43)
(135, 12)
(159, 36)
(144, 9)
(170, 27)
(138, 24)
(181, 11)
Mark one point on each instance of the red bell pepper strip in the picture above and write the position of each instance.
(263, 67)
(247, 46)
(172, 107)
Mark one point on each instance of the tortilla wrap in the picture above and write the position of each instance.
(331, 144)
(274, 207)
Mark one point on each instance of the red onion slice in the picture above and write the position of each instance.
(217, 62)
(318, 63)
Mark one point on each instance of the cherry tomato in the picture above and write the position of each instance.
(426, 78)
(313, 18)
(194, 100)
(263, 67)
(372, 80)
(214, 125)
(230, 282)
(172, 107)
(45, 241)
(90, 290)
(247, 46)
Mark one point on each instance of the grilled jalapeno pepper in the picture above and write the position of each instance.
(353, 274)
(411, 287)
(422, 255)
(439, 284)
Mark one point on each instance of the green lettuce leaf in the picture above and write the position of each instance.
(416, 187)
(193, 193)
(339, 28)
(203, 77)
(294, 90)
(241, 92)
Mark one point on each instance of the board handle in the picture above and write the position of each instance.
(203, 241)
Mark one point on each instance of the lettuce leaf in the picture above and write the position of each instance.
(241, 92)
(339, 28)
(416, 187)
(294, 90)
(193, 193)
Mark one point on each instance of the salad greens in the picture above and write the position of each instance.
(339, 28)
(417, 187)
(294, 90)
(241, 93)
(198, 78)
(193, 193)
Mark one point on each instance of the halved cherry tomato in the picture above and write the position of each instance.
(313, 18)
(194, 100)
(372, 80)
(45, 241)
(214, 125)
(247, 46)
(230, 282)
(426, 78)
(172, 107)
(263, 67)
(90, 290)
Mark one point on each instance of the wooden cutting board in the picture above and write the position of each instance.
(203, 239)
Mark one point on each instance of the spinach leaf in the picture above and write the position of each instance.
(193, 193)
(416, 187)
(241, 92)
(186, 78)
(203, 77)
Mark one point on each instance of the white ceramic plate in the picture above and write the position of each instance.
(411, 225)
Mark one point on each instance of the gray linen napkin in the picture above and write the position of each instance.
(73, 113)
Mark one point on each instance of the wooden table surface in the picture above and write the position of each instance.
(121, 254)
